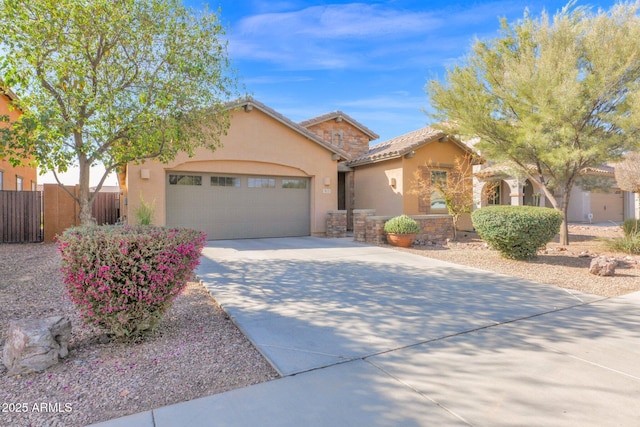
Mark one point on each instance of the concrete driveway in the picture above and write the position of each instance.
(371, 336)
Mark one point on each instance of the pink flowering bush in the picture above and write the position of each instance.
(124, 278)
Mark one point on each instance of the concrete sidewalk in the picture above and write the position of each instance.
(371, 336)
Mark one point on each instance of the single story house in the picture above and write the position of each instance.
(271, 177)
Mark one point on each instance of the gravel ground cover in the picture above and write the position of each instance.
(196, 351)
(564, 266)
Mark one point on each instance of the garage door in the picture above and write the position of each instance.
(607, 207)
(239, 206)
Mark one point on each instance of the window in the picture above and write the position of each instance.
(225, 181)
(437, 198)
(34, 187)
(1, 180)
(18, 183)
(294, 183)
(185, 180)
(262, 183)
(494, 193)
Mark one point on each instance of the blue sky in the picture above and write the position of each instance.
(370, 60)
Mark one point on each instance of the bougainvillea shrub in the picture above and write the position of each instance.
(124, 278)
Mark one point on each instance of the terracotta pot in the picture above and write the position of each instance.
(402, 240)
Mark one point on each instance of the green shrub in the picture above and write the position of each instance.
(517, 232)
(402, 224)
(124, 278)
(631, 226)
(629, 244)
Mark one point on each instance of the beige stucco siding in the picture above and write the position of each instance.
(437, 154)
(373, 189)
(441, 154)
(256, 144)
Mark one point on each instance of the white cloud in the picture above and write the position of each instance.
(359, 35)
(355, 20)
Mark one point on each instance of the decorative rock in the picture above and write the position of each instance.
(601, 266)
(35, 344)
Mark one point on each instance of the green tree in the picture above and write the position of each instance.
(111, 82)
(552, 95)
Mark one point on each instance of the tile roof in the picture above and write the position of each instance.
(7, 92)
(342, 116)
(401, 145)
(248, 103)
(504, 170)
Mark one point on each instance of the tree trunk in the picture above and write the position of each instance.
(564, 227)
(454, 220)
(84, 196)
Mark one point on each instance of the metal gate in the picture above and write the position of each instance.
(21, 217)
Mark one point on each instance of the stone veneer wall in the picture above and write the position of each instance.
(369, 228)
(337, 223)
(343, 135)
(360, 223)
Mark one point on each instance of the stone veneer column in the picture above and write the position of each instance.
(337, 223)
(360, 223)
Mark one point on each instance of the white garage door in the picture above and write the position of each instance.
(239, 206)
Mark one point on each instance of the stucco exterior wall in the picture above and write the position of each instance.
(373, 189)
(441, 155)
(256, 144)
(10, 173)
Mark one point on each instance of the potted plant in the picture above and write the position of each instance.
(401, 230)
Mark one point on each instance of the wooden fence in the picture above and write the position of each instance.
(36, 216)
(21, 217)
(106, 208)
(61, 210)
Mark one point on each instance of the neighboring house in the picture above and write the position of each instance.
(385, 176)
(271, 178)
(594, 198)
(20, 178)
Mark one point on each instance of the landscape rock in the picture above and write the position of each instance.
(33, 345)
(602, 266)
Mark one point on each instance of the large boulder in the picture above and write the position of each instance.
(602, 266)
(35, 344)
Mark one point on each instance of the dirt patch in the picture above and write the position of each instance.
(196, 351)
(564, 266)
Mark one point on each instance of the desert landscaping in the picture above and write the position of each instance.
(196, 350)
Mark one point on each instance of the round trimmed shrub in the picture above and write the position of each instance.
(124, 278)
(517, 232)
(402, 224)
